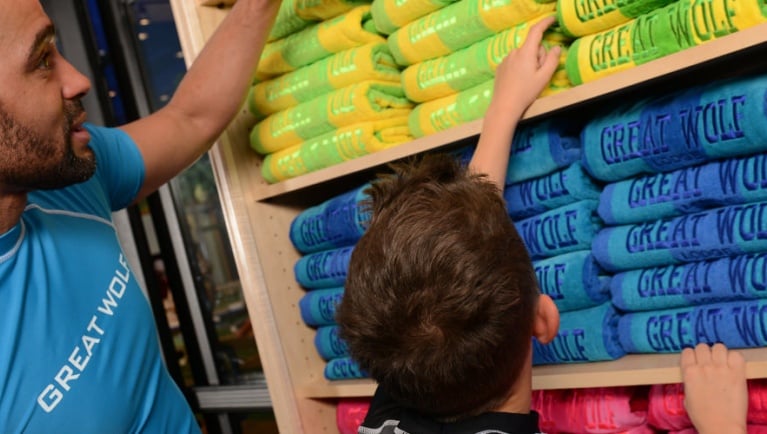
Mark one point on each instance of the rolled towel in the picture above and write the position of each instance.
(685, 191)
(343, 368)
(663, 133)
(360, 102)
(318, 307)
(368, 62)
(737, 324)
(733, 278)
(337, 222)
(587, 335)
(711, 234)
(326, 269)
(328, 344)
(666, 405)
(583, 18)
(318, 41)
(658, 33)
(464, 68)
(562, 230)
(538, 195)
(573, 280)
(452, 110)
(350, 413)
(343, 144)
(599, 410)
(295, 15)
(541, 148)
(390, 15)
(459, 25)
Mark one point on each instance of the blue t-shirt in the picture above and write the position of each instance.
(78, 346)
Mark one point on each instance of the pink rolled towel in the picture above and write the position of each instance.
(592, 411)
(350, 413)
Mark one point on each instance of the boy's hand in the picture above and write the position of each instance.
(522, 75)
(715, 391)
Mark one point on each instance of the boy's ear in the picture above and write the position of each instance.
(546, 322)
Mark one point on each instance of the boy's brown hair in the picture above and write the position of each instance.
(440, 294)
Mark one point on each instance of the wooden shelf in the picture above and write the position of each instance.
(720, 51)
(631, 370)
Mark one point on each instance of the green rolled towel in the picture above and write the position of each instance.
(459, 25)
(465, 68)
(317, 42)
(295, 15)
(390, 15)
(580, 18)
(360, 102)
(680, 25)
(443, 113)
(368, 62)
(335, 147)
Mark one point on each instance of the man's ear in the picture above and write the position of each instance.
(546, 322)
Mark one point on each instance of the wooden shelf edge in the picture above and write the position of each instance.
(631, 370)
(631, 78)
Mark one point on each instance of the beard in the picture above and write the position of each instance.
(31, 161)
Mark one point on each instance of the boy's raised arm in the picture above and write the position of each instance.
(519, 80)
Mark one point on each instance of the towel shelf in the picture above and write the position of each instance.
(258, 216)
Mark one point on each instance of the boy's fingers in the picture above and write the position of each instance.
(719, 354)
(703, 353)
(551, 61)
(687, 358)
(535, 35)
(735, 359)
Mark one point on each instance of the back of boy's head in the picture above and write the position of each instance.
(440, 294)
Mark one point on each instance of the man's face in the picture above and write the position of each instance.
(42, 142)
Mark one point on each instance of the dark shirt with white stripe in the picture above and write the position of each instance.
(387, 417)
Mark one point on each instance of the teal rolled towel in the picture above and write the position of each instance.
(538, 195)
(318, 307)
(733, 278)
(542, 148)
(325, 269)
(573, 280)
(685, 191)
(561, 230)
(667, 132)
(587, 335)
(716, 233)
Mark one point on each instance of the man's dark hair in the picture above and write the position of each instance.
(440, 294)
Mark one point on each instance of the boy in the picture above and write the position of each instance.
(441, 299)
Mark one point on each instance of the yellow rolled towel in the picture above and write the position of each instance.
(446, 112)
(335, 147)
(318, 41)
(360, 102)
(459, 25)
(368, 62)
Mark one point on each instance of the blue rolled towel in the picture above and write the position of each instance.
(572, 280)
(343, 368)
(540, 149)
(326, 269)
(741, 277)
(538, 195)
(561, 230)
(667, 132)
(715, 233)
(587, 335)
(737, 324)
(685, 191)
(329, 345)
(337, 222)
(318, 307)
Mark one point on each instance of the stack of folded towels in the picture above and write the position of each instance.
(325, 235)
(685, 212)
(450, 50)
(327, 89)
(614, 36)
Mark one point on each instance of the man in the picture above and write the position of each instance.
(78, 349)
